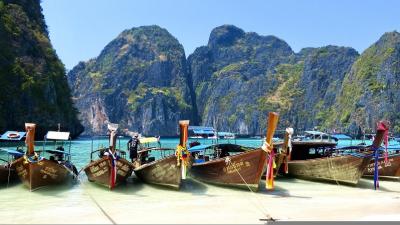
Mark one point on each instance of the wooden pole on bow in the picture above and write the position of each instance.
(30, 138)
(273, 118)
(183, 137)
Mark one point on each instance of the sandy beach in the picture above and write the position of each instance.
(196, 202)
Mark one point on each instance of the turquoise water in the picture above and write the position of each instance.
(81, 148)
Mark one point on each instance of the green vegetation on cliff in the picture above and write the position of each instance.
(34, 87)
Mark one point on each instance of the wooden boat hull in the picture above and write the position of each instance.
(391, 169)
(41, 173)
(344, 169)
(99, 171)
(164, 172)
(244, 170)
(7, 174)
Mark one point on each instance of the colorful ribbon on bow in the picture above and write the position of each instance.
(289, 132)
(386, 143)
(270, 170)
(113, 159)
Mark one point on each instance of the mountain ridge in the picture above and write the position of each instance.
(237, 77)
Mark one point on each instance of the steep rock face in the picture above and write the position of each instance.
(139, 80)
(231, 73)
(370, 91)
(307, 86)
(34, 87)
(323, 72)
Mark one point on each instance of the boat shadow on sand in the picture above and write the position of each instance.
(11, 184)
(367, 183)
(187, 186)
(55, 190)
(130, 187)
(279, 191)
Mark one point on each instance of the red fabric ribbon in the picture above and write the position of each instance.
(113, 177)
(383, 126)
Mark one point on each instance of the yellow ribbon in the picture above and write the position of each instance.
(180, 151)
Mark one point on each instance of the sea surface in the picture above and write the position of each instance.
(136, 202)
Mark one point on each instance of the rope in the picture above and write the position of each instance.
(330, 164)
(9, 173)
(97, 204)
(261, 209)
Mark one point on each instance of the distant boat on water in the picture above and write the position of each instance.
(203, 132)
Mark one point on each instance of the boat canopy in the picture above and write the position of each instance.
(148, 140)
(12, 136)
(55, 151)
(201, 130)
(56, 135)
(12, 152)
(313, 132)
(225, 134)
(198, 148)
(341, 136)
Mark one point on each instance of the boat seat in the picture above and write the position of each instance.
(151, 159)
(199, 160)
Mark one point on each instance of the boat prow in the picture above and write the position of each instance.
(163, 172)
(100, 171)
(345, 169)
(40, 172)
(243, 170)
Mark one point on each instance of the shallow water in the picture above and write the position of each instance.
(136, 202)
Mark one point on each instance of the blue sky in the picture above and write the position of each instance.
(80, 29)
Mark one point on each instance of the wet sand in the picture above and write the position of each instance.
(136, 202)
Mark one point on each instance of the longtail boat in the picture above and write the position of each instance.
(389, 168)
(7, 172)
(111, 168)
(232, 165)
(282, 150)
(386, 161)
(321, 161)
(35, 171)
(10, 151)
(170, 168)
